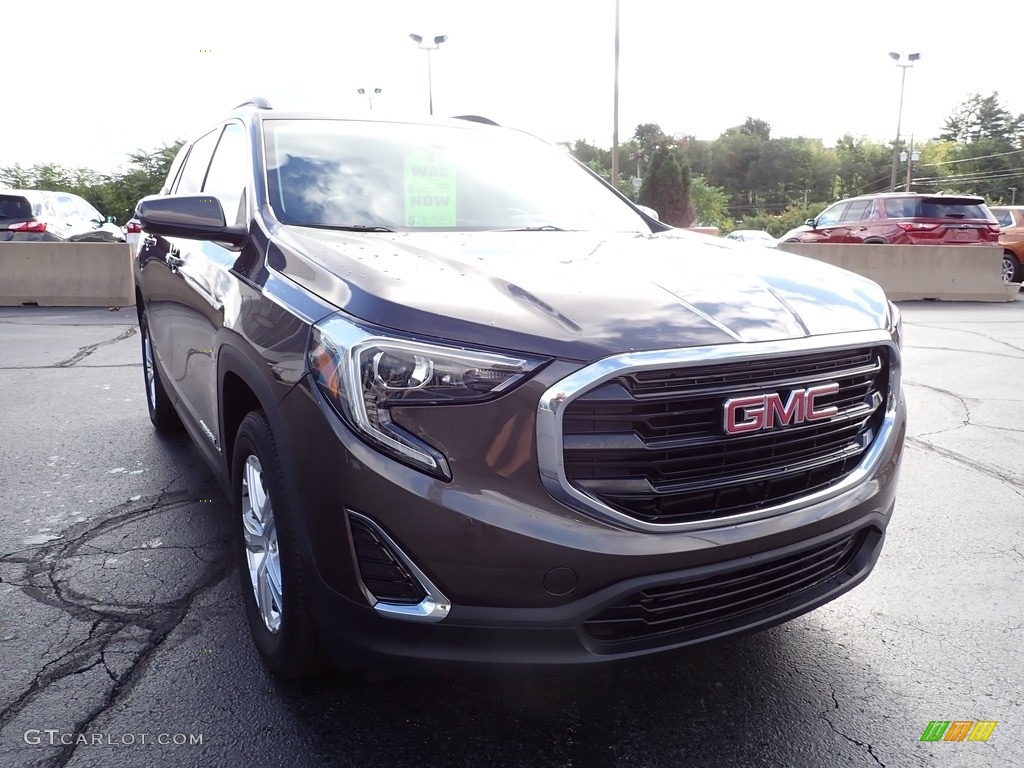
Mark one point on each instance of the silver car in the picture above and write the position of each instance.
(70, 217)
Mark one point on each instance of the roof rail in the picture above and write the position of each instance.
(476, 119)
(256, 101)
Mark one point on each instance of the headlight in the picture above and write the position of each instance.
(895, 323)
(364, 376)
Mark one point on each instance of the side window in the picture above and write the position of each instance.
(1004, 218)
(229, 171)
(191, 180)
(831, 216)
(901, 207)
(65, 208)
(857, 210)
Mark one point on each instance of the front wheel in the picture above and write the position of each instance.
(273, 586)
(1011, 268)
(161, 410)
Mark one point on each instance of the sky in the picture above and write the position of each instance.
(111, 76)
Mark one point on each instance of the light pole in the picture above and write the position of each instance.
(428, 48)
(369, 97)
(1013, 195)
(911, 58)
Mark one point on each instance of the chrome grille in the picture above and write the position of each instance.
(651, 444)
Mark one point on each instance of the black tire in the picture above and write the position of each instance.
(161, 410)
(1011, 268)
(874, 241)
(268, 559)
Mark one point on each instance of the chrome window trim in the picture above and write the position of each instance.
(550, 410)
(432, 608)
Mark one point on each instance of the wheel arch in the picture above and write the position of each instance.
(241, 389)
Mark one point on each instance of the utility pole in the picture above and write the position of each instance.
(1013, 195)
(911, 157)
(615, 106)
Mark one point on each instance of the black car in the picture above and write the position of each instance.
(473, 406)
(18, 223)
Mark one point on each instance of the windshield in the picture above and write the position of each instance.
(403, 177)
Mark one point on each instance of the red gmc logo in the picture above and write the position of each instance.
(752, 414)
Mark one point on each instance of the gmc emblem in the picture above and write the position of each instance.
(752, 414)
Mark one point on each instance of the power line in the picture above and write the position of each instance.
(970, 159)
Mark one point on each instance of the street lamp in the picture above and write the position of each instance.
(428, 48)
(911, 58)
(369, 97)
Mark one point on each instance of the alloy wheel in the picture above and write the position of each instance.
(261, 547)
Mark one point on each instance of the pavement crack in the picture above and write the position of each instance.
(88, 349)
(52, 574)
(986, 336)
(837, 731)
(959, 458)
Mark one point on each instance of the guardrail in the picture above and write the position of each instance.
(66, 274)
(908, 272)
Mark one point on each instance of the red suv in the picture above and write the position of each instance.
(901, 218)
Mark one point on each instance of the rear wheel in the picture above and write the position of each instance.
(1011, 268)
(161, 410)
(273, 585)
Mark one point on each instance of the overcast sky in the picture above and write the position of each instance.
(102, 78)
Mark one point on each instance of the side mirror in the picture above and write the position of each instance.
(650, 212)
(809, 223)
(110, 220)
(195, 217)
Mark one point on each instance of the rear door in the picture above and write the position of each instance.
(853, 225)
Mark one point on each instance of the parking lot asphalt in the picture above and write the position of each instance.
(123, 641)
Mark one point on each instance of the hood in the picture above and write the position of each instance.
(576, 295)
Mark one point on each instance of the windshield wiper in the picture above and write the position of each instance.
(351, 228)
(542, 228)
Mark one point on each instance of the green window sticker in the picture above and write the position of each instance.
(429, 190)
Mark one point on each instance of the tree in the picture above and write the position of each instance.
(666, 188)
(758, 128)
(144, 175)
(114, 195)
(710, 205)
(985, 149)
(982, 118)
(647, 138)
(861, 166)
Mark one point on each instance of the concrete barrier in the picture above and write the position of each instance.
(908, 272)
(66, 274)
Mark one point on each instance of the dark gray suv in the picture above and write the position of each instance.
(473, 406)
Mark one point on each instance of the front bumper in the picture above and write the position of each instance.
(532, 581)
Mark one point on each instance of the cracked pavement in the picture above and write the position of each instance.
(120, 614)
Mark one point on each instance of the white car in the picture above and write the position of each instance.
(753, 237)
(70, 217)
